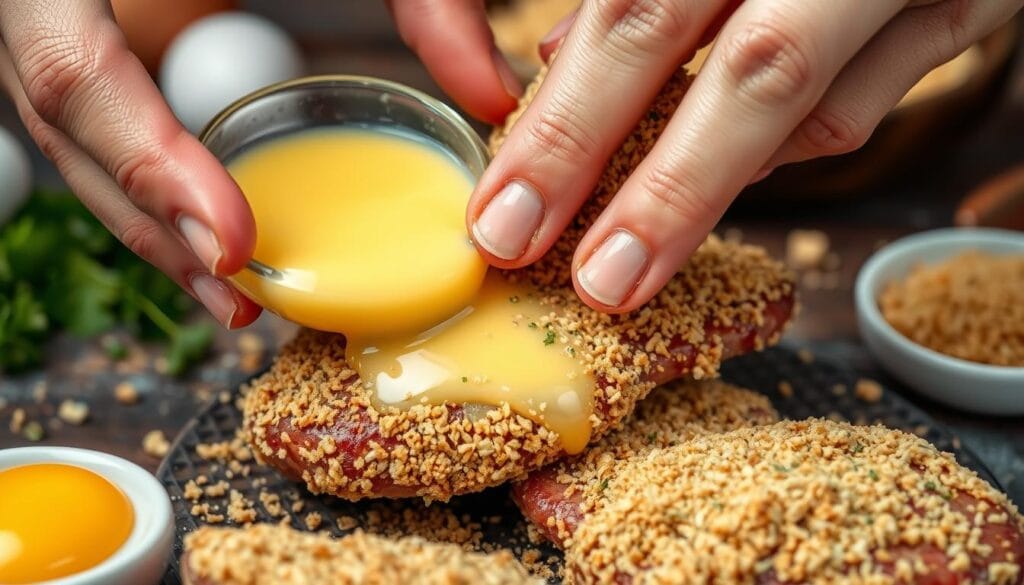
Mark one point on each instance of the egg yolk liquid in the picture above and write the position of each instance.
(57, 520)
(367, 227)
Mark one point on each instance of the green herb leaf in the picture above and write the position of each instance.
(188, 344)
(873, 475)
(549, 338)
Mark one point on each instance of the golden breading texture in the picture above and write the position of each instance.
(551, 498)
(970, 306)
(311, 417)
(278, 555)
(811, 501)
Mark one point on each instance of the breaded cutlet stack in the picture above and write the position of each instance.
(265, 554)
(311, 417)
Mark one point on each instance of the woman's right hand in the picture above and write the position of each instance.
(93, 110)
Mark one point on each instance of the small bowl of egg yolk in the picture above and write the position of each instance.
(358, 187)
(78, 517)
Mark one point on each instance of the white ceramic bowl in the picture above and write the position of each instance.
(971, 386)
(143, 557)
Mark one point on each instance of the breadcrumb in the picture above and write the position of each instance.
(125, 393)
(970, 307)
(73, 412)
(277, 555)
(868, 390)
(155, 444)
(809, 502)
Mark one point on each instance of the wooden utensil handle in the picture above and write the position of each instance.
(996, 203)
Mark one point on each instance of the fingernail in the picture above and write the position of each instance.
(216, 297)
(560, 29)
(614, 269)
(509, 79)
(201, 240)
(509, 221)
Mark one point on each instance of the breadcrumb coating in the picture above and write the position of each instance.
(970, 306)
(311, 417)
(265, 554)
(552, 498)
(797, 502)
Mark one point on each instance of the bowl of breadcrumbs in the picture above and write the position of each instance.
(943, 311)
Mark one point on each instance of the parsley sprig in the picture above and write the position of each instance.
(60, 269)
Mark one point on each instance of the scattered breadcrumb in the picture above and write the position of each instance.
(155, 444)
(806, 249)
(207, 513)
(313, 520)
(39, 392)
(73, 412)
(786, 389)
(125, 393)
(970, 307)
(216, 490)
(809, 502)
(18, 418)
(192, 491)
(868, 390)
(805, 355)
(278, 555)
(240, 509)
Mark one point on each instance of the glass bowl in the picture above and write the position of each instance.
(332, 101)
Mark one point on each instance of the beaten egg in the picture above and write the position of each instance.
(364, 232)
(57, 520)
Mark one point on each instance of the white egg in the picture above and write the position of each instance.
(222, 57)
(15, 175)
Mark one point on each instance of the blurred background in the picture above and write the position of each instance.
(955, 143)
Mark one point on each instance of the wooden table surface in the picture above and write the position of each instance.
(923, 199)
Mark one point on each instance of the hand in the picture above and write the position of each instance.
(455, 42)
(93, 110)
(787, 80)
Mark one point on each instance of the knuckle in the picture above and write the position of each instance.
(56, 67)
(646, 25)
(132, 174)
(826, 132)
(680, 195)
(558, 132)
(769, 64)
(141, 235)
(53, 67)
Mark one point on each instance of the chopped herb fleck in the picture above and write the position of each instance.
(513, 299)
(604, 485)
(873, 475)
(532, 325)
(571, 351)
(549, 338)
(857, 447)
(930, 486)
(465, 379)
(780, 468)
(651, 437)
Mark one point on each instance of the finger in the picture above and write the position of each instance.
(772, 62)
(550, 42)
(81, 79)
(869, 87)
(611, 65)
(140, 233)
(455, 42)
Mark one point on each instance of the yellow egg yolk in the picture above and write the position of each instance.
(367, 228)
(57, 520)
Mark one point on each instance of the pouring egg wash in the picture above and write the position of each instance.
(58, 520)
(359, 191)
